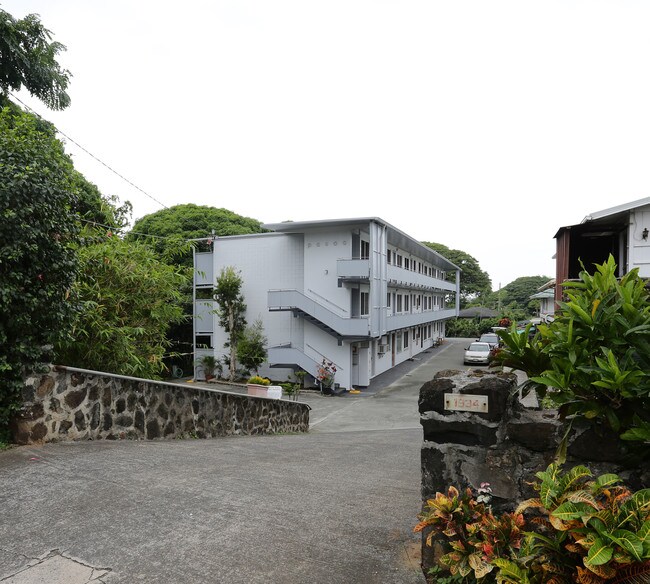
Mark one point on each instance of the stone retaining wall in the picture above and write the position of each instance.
(73, 404)
(505, 446)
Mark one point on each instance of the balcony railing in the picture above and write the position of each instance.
(405, 320)
(401, 277)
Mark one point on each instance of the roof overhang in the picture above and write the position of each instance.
(395, 236)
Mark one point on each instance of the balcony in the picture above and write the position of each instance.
(407, 278)
(353, 269)
(313, 311)
(407, 320)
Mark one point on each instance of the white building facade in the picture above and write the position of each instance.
(358, 293)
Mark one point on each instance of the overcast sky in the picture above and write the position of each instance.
(482, 125)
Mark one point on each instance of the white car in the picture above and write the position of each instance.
(477, 353)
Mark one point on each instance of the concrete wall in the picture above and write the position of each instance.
(505, 446)
(73, 404)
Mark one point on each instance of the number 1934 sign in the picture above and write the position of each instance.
(463, 402)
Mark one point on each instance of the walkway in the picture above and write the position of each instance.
(336, 505)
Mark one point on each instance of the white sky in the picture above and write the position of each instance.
(482, 125)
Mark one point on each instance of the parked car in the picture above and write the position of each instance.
(477, 353)
(491, 338)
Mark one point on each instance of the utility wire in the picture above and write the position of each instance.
(121, 229)
(89, 153)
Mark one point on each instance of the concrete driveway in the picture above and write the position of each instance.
(336, 505)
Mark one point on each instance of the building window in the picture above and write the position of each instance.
(365, 250)
(399, 260)
(398, 343)
(406, 302)
(406, 339)
(390, 257)
(399, 303)
(407, 264)
(365, 303)
(388, 300)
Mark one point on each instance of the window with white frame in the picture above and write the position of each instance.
(406, 339)
(398, 307)
(398, 260)
(365, 250)
(406, 302)
(365, 303)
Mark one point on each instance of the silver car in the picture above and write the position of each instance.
(491, 338)
(477, 353)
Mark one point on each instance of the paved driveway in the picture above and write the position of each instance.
(336, 505)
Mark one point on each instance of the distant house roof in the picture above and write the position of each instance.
(548, 293)
(477, 312)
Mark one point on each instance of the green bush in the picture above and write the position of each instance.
(583, 530)
(469, 327)
(257, 380)
(595, 356)
(37, 259)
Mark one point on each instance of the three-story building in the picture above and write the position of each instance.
(358, 293)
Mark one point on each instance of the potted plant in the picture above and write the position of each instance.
(325, 376)
(208, 363)
(258, 386)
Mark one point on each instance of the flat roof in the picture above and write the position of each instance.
(395, 235)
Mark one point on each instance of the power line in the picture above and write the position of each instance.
(121, 229)
(90, 153)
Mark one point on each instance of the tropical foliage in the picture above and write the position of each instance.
(593, 361)
(582, 529)
(126, 301)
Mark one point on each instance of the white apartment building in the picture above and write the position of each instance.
(357, 292)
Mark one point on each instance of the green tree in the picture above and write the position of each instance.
(172, 227)
(231, 310)
(475, 283)
(514, 298)
(251, 347)
(37, 259)
(28, 59)
(167, 232)
(128, 299)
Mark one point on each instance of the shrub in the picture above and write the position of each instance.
(595, 355)
(584, 530)
(257, 380)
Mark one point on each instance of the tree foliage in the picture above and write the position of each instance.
(596, 354)
(172, 227)
(514, 298)
(474, 282)
(37, 260)
(231, 310)
(251, 347)
(127, 300)
(28, 59)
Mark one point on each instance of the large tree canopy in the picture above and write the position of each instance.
(474, 282)
(28, 59)
(172, 227)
